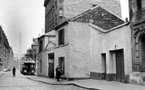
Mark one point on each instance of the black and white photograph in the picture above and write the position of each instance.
(72, 44)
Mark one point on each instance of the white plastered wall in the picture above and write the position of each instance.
(106, 42)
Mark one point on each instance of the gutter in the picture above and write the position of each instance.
(106, 31)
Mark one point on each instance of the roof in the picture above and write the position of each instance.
(30, 61)
(100, 17)
(61, 25)
(49, 34)
(106, 31)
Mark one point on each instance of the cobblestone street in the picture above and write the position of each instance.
(20, 82)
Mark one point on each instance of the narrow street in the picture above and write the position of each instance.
(20, 82)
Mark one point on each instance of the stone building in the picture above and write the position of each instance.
(76, 43)
(57, 11)
(51, 14)
(11, 58)
(137, 19)
(6, 52)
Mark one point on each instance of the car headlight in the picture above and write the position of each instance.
(25, 71)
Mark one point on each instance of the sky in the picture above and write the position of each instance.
(27, 17)
(124, 9)
(22, 16)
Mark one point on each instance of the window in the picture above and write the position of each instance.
(61, 37)
(139, 5)
(40, 66)
(61, 64)
(41, 45)
(143, 3)
(60, 12)
(61, 1)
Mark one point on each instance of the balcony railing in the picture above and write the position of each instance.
(140, 14)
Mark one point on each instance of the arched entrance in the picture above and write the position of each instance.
(142, 52)
(139, 49)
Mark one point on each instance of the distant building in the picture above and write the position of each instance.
(57, 11)
(11, 57)
(46, 54)
(6, 52)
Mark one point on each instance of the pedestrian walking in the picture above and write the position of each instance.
(14, 71)
(58, 73)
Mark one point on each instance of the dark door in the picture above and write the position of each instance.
(104, 65)
(51, 65)
(142, 53)
(119, 65)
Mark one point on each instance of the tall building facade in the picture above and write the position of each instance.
(137, 16)
(51, 14)
(57, 11)
(6, 52)
(137, 21)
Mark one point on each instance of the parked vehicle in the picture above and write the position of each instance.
(28, 68)
(6, 69)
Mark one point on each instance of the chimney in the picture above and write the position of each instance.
(126, 19)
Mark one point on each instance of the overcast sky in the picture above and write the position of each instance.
(21, 16)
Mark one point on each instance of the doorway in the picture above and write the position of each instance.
(119, 65)
(61, 63)
(51, 65)
(142, 52)
(103, 57)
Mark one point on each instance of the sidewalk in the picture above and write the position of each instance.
(1, 72)
(90, 84)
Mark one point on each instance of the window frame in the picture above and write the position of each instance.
(61, 62)
(40, 45)
(61, 37)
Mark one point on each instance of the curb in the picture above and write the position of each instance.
(74, 84)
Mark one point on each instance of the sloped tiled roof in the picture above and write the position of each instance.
(100, 17)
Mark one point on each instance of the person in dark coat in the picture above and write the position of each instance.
(14, 71)
(58, 73)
